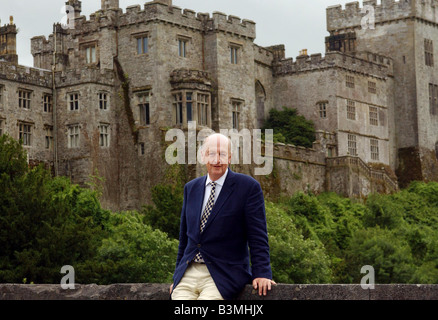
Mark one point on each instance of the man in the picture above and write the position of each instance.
(223, 214)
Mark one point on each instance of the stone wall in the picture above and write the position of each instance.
(148, 291)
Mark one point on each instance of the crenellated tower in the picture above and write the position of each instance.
(8, 42)
(407, 31)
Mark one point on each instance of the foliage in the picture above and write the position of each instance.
(48, 222)
(134, 252)
(291, 128)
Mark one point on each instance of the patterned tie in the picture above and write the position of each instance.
(205, 214)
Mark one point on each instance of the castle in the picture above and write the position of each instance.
(102, 95)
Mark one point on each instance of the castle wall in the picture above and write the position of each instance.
(37, 82)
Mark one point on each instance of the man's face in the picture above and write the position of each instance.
(216, 156)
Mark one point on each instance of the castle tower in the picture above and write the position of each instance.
(8, 42)
(109, 4)
(406, 31)
(77, 5)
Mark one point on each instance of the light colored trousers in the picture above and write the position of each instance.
(196, 284)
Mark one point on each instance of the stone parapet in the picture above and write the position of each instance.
(151, 291)
(363, 62)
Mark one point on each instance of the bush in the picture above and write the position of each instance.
(291, 128)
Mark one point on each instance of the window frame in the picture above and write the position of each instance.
(73, 102)
(24, 99)
(144, 107)
(25, 135)
(352, 144)
(104, 135)
(47, 102)
(351, 110)
(73, 133)
(103, 100)
(428, 52)
(141, 46)
(236, 110)
(374, 116)
(322, 109)
(374, 149)
(349, 81)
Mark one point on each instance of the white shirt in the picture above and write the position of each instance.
(219, 184)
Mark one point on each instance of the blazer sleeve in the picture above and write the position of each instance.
(183, 230)
(257, 233)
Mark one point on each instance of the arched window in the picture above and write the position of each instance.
(260, 96)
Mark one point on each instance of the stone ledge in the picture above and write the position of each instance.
(152, 291)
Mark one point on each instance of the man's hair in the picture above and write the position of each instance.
(220, 135)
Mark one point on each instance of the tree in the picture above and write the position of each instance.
(291, 128)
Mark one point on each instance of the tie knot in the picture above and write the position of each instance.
(213, 184)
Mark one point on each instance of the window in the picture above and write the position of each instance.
(351, 110)
(178, 108)
(352, 146)
(235, 113)
(203, 103)
(374, 116)
(374, 148)
(428, 52)
(2, 126)
(49, 137)
(189, 106)
(74, 101)
(234, 54)
(372, 87)
(24, 98)
(103, 101)
(25, 133)
(90, 54)
(349, 81)
(47, 102)
(142, 150)
(73, 136)
(322, 107)
(104, 135)
(182, 47)
(1, 96)
(433, 98)
(144, 107)
(142, 44)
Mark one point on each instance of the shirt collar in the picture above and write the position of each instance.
(219, 181)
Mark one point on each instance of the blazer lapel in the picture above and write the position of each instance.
(226, 191)
(198, 192)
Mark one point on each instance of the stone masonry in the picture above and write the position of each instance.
(103, 93)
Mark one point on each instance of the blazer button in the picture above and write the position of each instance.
(188, 261)
(199, 245)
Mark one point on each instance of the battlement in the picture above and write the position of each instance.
(26, 75)
(263, 55)
(84, 76)
(389, 10)
(155, 11)
(363, 62)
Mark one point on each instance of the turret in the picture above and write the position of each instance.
(109, 4)
(8, 42)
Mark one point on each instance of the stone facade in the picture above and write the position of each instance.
(119, 80)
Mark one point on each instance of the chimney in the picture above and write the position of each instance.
(109, 4)
(77, 6)
(8, 42)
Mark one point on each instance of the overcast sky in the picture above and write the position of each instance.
(298, 24)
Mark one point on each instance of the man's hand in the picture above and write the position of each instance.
(170, 289)
(263, 285)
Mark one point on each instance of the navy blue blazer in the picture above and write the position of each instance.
(235, 230)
